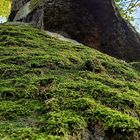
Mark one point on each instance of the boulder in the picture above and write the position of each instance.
(95, 23)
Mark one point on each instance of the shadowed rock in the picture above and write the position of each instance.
(96, 23)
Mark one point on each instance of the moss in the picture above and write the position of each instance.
(35, 3)
(136, 65)
(54, 90)
(63, 122)
(94, 66)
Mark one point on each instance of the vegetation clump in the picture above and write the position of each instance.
(56, 90)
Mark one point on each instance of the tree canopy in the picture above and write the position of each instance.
(127, 8)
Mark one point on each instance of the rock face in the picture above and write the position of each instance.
(96, 23)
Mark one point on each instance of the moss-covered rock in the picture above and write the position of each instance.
(35, 3)
(57, 90)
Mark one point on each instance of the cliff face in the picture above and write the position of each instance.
(96, 23)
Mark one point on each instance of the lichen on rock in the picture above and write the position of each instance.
(23, 12)
(35, 3)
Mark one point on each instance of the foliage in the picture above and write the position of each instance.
(52, 90)
(127, 8)
(5, 7)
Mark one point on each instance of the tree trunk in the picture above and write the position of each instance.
(95, 23)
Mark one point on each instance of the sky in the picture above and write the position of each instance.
(2, 19)
(137, 19)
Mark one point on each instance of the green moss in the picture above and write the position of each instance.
(35, 3)
(63, 122)
(136, 65)
(54, 90)
(110, 118)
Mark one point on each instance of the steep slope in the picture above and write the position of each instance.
(53, 90)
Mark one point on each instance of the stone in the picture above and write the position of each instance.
(95, 23)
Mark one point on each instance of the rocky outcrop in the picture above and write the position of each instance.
(23, 12)
(96, 23)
